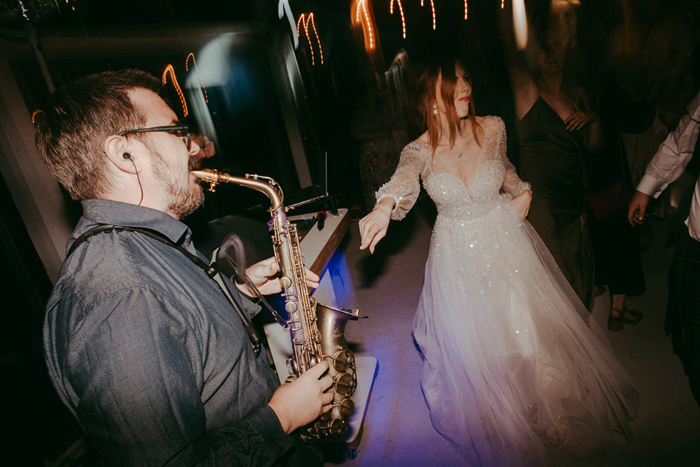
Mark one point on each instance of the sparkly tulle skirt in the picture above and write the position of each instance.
(510, 362)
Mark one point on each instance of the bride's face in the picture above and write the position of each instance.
(462, 92)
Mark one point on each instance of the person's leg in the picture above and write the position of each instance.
(620, 314)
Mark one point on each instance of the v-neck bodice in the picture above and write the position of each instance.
(468, 184)
(453, 198)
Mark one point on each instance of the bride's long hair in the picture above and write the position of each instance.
(427, 102)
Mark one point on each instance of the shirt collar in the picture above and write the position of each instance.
(102, 211)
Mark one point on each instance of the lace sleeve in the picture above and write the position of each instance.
(512, 183)
(404, 185)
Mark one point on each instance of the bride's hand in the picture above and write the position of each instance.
(521, 203)
(373, 226)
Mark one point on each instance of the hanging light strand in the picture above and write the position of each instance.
(432, 8)
(403, 20)
(363, 4)
(310, 19)
(169, 70)
(37, 112)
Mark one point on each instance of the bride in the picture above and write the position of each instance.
(510, 363)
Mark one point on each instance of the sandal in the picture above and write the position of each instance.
(615, 323)
(626, 316)
(635, 316)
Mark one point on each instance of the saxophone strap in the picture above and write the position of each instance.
(216, 256)
(209, 269)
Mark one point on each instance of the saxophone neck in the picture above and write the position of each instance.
(265, 185)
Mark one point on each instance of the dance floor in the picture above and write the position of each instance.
(397, 429)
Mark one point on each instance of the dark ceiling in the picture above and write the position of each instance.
(14, 13)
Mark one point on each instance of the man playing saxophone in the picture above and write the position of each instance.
(141, 344)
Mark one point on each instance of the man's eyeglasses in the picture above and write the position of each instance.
(181, 131)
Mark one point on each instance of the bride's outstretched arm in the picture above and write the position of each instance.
(373, 226)
(395, 198)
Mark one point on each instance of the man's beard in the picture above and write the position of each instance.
(182, 201)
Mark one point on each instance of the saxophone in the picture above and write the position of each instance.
(317, 331)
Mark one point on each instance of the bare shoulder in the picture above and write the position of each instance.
(483, 120)
(423, 138)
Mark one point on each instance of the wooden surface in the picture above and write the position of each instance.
(319, 245)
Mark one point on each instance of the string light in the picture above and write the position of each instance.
(403, 20)
(169, 70)
(310, 19)
(36, 112)
(187, 61)
(466, 9)
(363, 4)
(503, 4)
(432, 7)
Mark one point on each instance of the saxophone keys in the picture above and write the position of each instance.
(337, 427)
(343, 359)
(346, 407)
(345, 384)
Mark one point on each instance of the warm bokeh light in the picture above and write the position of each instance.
(35, 114)
(363, 4)
(310, 19)
(169, 70)
(520, 24)
(403, 20)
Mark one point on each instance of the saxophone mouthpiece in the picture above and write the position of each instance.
(209, 176)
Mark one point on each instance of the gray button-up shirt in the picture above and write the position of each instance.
(149, 355)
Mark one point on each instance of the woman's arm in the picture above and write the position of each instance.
(373, 226)
(395, 198)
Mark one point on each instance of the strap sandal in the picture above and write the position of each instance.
(615, 323)
(631, 316)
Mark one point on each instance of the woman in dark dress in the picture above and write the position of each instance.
(555, 123)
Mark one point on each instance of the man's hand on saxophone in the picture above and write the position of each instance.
(302, 401)
(264, 277)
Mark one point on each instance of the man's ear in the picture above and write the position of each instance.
(116, 149)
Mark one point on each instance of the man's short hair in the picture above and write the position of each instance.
(77, 120)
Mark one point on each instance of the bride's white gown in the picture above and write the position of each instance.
(509, 359)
